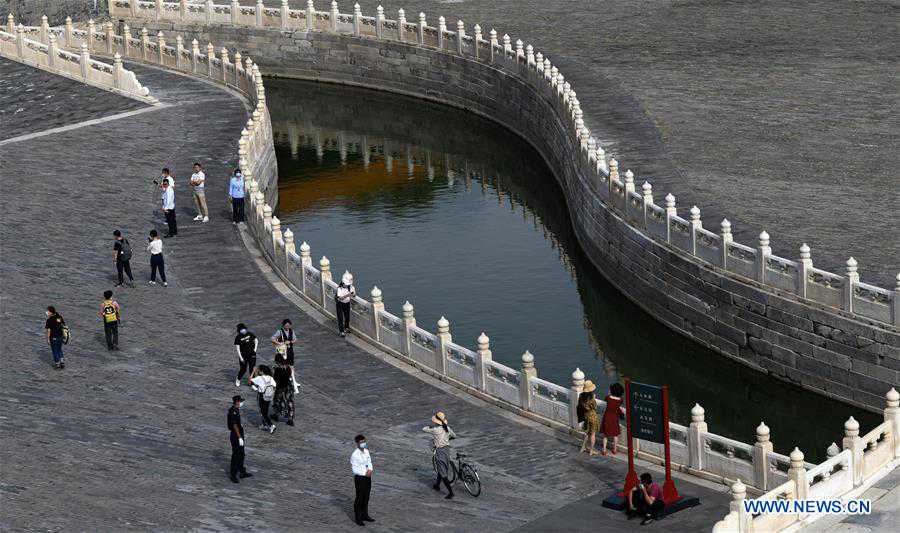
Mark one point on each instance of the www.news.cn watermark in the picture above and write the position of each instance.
(807, 507)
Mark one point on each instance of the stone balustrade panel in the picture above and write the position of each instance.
(834, 476)
(503, 382)
(392, 332)
(461, 363)
(423, 346)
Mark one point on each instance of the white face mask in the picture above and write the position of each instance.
(240, 404)
(49, 313)
(243, 331)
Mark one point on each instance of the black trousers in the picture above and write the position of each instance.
(237, 209)
(642, 508)
(264, 410)
(170, 220)
(111, 332)
(246, 367)
(343, 315)
(237, 457)
(363, 486)
(157, 264)
(123, 266)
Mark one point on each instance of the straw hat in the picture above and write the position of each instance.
(589, 386)
(439, 418)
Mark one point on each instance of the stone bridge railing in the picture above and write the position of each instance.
(38, 46)
(632, 202)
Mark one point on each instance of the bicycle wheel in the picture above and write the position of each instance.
(470, 479)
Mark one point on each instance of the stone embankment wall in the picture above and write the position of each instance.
(826, 332)
(29, 12)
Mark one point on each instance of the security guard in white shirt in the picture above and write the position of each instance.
(361, 464)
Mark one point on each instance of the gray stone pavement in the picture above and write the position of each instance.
(136, 439)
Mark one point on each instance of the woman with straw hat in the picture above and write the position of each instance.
(441, 434)
(587, 404)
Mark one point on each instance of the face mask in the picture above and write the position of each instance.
(49, 314)
(240, 404)
(243, 331)
(363, 445)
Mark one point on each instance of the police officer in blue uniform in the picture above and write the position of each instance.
(236, 435)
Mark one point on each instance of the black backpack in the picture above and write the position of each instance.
(126, 253)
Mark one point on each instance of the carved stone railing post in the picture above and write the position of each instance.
(260, 12)
(671, 210)
(159, 10)
(179, 51)
(761, 450)
(195, 56)
(235, 12)
(401, 25)
(804, 267)
(324, 276)
(334, 16)
(850, 284)
(20, 42)
(118, 70)
(310, 15)
(210, 55)
(11, 23)
(853, 442)
(476, 41)
(440, 350)
(70, 33)
(45, 30)
(892, 416)
(135, 8)
(110, 41)
(285, 14)
(224, 54)
(647, 194)
(145, 44)
(613, 175)
(527, 373)
(90, 35)
(182, 9)
(460, 36)
(126, 41)
(797, 474)
(574, 392)
(696, 224)
(276, 236)
(420, 31)
(85, 62)
(494, 43)
(377, 308)
(696, 444)
(51, 56)
(483, 360)
(507, 46)
(209, 10)
(379, 22)
(529, 56)
(160, 50)
(726, 239)
(442, 28)
(520, 51)
(738, 494)
(305, 260)
(763, 251)
(409, 322)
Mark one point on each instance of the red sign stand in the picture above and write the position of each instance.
(631, 479)
(670, 494)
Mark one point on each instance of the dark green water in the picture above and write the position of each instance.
(464, 220)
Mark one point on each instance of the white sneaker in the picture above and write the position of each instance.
(198, 217)
(205, 219)
(237, 383)
(271, 429)
(165, 284)
(151, 282)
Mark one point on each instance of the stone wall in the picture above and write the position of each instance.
(817, 347)
(29, 12)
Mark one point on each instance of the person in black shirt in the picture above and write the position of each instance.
(245, 344)
(122, 258)
(236, 435)
(284, 392)
(54, 327)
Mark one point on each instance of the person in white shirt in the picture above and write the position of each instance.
(342, 298)
(361, 464)
(198, 184)
(168, 207)
(155, 246)
(263, 383)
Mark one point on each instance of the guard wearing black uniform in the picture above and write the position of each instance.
(236, 435)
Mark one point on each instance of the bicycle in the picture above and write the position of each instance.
(464, 471)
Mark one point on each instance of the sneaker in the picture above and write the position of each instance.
(235, 480)
(237, 383)
(205, 219)
(117, 285)
(290, 422)
(648, 520)
(234, 223)
(272, 429)
(151, 282)
(56, 366)
(198, 218)
(165, 284)
(62, 364)
(246, 475)
(343, 334)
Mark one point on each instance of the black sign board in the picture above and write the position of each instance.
(647, 417)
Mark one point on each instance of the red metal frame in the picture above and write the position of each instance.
(670, 494)
(631, 479)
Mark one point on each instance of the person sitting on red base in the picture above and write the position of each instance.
(646, 500)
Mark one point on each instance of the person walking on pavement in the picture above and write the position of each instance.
(245, 344)
(263, 383)
(284, 392)
(168, 207)
(157, 263)
(342, 298)
(283, 340)
(441, 434)
(111, 314)
(237, 193)
(198, 185)
(236, 436)
(55, 327)
(122, 258)
(361, 465)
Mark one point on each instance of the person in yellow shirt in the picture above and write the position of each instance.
(111, 314)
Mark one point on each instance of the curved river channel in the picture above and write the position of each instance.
(463, 219)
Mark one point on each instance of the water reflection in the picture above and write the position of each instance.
(462, 218)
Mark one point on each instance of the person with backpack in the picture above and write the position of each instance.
(245, 344)
(263, 383)
(157, 264)
(283, 340)
(342, 298)
(284, 392)
(57, 334)
(111, 314)
(122, 258)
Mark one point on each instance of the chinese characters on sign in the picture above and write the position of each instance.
(647, 417)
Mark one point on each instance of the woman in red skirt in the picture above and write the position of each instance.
(610, 424)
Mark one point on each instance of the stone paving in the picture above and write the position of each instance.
(136, 439)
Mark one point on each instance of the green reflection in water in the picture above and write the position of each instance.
(462, 218)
